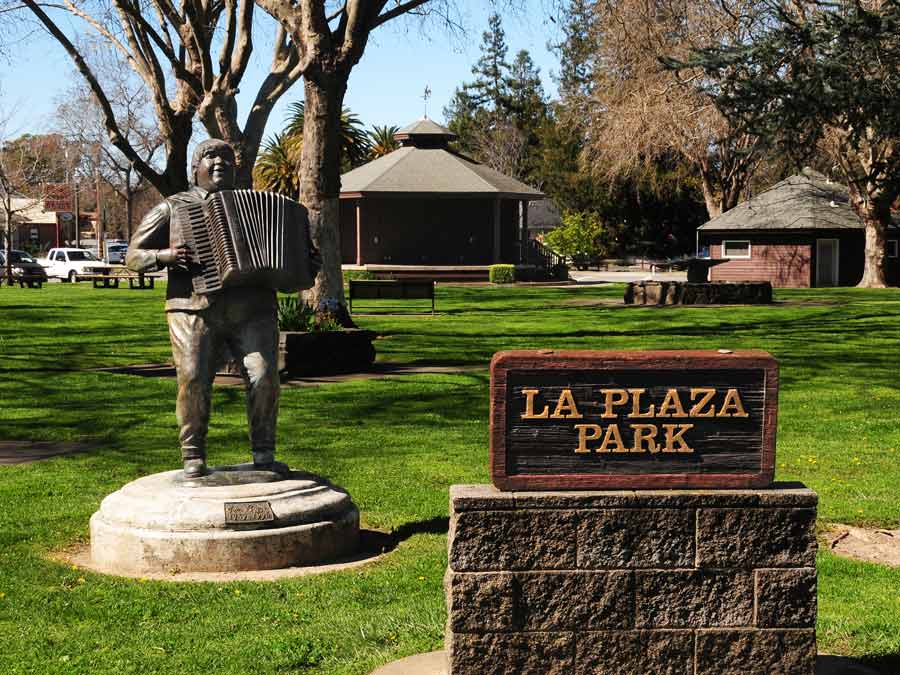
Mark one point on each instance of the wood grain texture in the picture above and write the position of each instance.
(539, 454)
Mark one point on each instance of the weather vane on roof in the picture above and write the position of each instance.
(425, 97)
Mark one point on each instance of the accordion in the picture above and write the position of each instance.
(245, 238)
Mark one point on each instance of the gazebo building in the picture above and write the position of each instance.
(427, 208)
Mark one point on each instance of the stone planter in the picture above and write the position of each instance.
(327, 352)
(680, 293)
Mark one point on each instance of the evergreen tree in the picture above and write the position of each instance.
(575, 51)
(498, 116)
(491, 86)
(463, 118)
(526, 101)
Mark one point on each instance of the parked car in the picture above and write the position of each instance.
(70, 263)
(25, 269)
(115, 253)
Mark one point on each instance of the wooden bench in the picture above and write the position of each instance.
(391, 289)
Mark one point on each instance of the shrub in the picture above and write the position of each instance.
(363, 275)
(298, 317)
(295, 316)
(502, 274)
(583, 237)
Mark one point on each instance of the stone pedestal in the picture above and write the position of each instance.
(701, 582)
(236, 519)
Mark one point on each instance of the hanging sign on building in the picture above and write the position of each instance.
(630, 420)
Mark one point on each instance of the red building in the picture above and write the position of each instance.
(426, 206)
(800, 233)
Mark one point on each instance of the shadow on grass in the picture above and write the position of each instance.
(437, 525)
(374, 542)
(841, 665)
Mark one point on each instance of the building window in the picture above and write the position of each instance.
(736, 249)
(891, 248)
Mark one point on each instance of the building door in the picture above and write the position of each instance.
(826, 262)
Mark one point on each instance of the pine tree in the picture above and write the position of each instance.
(576, 51)
(491, 86)
(526, 101)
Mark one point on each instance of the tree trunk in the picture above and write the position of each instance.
(129, 211)
(8, 255)
(320, 182)
(713, 202)
(876, 221)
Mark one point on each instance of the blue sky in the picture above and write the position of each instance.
(385, 87)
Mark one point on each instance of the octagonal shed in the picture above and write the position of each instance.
(426, 205)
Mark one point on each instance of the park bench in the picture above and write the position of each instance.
(111, 279)
(391, 289)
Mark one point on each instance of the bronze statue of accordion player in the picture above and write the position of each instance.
(227, 253)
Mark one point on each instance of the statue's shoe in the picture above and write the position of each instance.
(195, 468)
(264, 460)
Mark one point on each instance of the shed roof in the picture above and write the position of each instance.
(806, 201)
(412, 169)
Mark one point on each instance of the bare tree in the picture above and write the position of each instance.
(191, 57)
(81, 120)
(501, 146)
(640, 110)
(24, 174)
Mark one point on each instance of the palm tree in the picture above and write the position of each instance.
(354, 140)
(278, 166)
(383, 141)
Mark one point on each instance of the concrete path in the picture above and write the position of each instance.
(435, 663)
(589, 277)
(24, 452)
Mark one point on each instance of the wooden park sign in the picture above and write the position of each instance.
(633, 420)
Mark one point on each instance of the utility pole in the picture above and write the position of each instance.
(77, 213)
(98, 227)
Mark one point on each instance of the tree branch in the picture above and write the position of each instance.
(397, 11)
(115, 134)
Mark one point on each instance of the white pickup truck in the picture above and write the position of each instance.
(69, 264)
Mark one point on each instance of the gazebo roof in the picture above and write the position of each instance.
(434, 171)
(424, 128)
(806, 201)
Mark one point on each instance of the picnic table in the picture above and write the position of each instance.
(112, 277)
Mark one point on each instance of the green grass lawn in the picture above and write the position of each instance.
(396, 444)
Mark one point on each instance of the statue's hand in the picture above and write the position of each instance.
(180, 256)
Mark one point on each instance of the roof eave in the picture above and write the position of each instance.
(399, 194)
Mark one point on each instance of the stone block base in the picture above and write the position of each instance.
(693, 582)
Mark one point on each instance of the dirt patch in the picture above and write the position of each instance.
(869, 545)
(25, 452)
(374, 545)
(435, 663)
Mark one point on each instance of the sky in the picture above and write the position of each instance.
(385, 88)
